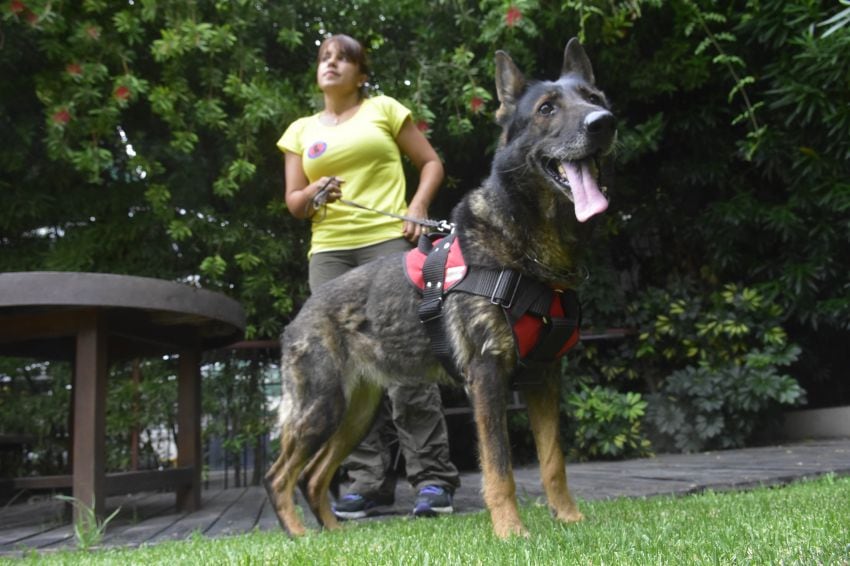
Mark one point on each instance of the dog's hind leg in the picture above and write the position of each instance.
(280, 483)
(487, 392)
(318, 475)
(308, 422)
(543, 405)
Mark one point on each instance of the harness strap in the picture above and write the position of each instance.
(500, 285)
(553, 339)
(431, 307)
(516, 295)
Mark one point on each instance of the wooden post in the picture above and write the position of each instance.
(189, 426)
(89, 438)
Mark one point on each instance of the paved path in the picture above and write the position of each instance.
(672, 474)
(151, 517)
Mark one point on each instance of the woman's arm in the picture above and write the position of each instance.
(300, 192)
(416, 146)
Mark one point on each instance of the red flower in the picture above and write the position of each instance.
(121, 93)
(73, 69)
(512, 16)
(16, 6)
(422, 126)
(476, 104)
(32, 17)
(61, 117)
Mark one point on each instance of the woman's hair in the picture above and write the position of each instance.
(352, 49)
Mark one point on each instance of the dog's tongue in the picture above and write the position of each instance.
(587, 198)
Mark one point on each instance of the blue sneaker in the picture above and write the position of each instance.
(433, 500)
(356, 506)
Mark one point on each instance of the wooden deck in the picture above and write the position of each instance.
(42, 524)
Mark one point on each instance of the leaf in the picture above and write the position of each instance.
(213, 266)
(247, 261)
(241, 170)
(184, 142)
(179, 230)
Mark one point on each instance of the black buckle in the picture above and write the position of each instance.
(529, 374)
(502, 288)
(430, 309)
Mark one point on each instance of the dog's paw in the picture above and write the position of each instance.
(509, 530)
(568, 516)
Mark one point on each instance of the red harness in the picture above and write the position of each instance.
(545, 321)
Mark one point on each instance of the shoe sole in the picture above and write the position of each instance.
(350, 515)
(353, 515)
(433, 511)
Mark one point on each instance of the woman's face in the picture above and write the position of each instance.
(337, 72)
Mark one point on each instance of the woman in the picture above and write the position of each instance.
(353, 146)
(354, 142)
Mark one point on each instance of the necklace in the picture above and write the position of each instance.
(328, 118)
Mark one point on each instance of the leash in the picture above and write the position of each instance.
(321, 200)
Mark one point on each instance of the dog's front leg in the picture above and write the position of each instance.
(543, 404)
(487, 387)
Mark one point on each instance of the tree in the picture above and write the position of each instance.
(139, 138)
(152, 123)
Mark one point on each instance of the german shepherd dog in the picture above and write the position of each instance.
(361, 331)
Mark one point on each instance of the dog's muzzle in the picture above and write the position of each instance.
(601, 126)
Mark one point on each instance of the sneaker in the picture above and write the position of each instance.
(432, 500)
(356, 506)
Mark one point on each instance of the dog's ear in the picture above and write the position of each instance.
(576, 61)
(510, 83)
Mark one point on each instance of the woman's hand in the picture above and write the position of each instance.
(301, 194)
(325, 190)
(411, 230)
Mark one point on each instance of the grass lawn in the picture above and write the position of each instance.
(802, 523)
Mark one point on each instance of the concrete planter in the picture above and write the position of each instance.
(833, 422)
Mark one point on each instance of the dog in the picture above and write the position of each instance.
(361, 331)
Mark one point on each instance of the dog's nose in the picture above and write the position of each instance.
(600, 122)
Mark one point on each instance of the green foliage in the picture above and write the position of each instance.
(152, 123)
(237, 392)
(838, 21)
(34, 401)
(714, 365)
(607, 424)
(803, 523)
(142, 398)
(88, 529)
(140, 139)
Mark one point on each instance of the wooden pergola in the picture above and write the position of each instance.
(95, 319)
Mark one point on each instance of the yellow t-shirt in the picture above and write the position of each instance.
(362, 151)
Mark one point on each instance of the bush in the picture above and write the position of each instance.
(606, 424)
(34, 400)
(712, 365)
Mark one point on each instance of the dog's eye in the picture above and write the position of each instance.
(547, 109)
(595, 99)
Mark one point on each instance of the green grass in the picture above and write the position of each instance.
(803, 523)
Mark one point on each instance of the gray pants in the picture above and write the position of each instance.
(412, 414)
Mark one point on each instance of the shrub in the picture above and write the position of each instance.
(606, 424)
(600, 397)
(711, 362)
